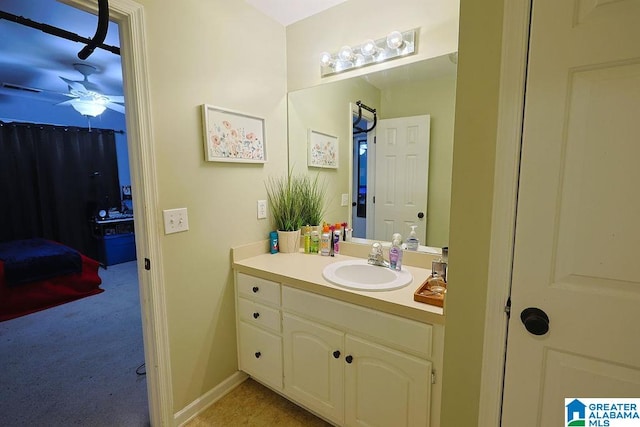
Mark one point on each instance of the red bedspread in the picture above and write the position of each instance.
(27, 298)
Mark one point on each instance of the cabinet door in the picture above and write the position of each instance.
(384, 387)
(260, 354)
(314, 366)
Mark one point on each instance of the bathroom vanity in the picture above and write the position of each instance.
(351, 357)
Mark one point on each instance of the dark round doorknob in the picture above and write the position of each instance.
(258, 354)
(535, 320)
(349, 359)
(256, 315)
(420, 215)
(336, 354)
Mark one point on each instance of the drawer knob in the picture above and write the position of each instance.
(258, 354)
(349, 358)
(256, 315)
(336, 354)
(255, 289)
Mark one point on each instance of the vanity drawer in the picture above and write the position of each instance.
(388, 329)
(258, 289)
(260, 354)
(257, 314)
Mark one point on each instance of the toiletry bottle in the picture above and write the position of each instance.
(307, 239)
(395, 254)
(440, 264)
(273, 242)
(412, 241)
(315, 242)
(325, 241)
(336, 242)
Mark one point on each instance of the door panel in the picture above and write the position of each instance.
(313, 366)
(384, 387)
(402, 171)
(577, 232)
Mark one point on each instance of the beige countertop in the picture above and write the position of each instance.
(304, 271)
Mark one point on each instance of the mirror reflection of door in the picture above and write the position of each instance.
(401, 180)
(359, 211)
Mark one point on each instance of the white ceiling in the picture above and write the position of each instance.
(289, 11)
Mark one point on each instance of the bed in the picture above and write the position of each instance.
(36, 274)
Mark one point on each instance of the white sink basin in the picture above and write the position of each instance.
(359, 275)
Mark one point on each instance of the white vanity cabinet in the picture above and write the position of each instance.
(259, 329)
(353, 365)
(349, 364)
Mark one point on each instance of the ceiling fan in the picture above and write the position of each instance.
(86, 97)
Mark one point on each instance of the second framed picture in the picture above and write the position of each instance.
(322, 150)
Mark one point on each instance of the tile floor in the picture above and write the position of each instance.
(252, 404)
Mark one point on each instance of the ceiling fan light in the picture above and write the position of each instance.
(87, 108)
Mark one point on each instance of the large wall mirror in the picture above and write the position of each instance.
(417, 97)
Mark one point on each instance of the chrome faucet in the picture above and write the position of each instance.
(376, 257)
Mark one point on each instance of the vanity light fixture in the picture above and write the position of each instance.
(394, 45)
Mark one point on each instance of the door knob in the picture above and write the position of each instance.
(535, 320)
(420, 215)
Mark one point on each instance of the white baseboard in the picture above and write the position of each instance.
(209, 398)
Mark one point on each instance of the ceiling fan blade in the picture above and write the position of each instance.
(115, 107)
(77, 86)
(116, 98)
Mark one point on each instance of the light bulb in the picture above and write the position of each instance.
(394, 40)
(345, 53)
(369, 48)
(325, 59)
(359, 60)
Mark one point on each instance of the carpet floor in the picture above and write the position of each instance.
(75, 364)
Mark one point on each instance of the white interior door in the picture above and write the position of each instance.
(402, 170)
(578, 217)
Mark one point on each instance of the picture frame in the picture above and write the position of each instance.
(232, 136)
(322, 150)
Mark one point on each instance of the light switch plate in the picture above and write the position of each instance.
(345, 200)
(175, 220)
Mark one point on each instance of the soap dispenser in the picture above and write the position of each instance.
(412, 241)
(395, 253)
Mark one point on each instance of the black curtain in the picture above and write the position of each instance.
(53, 180)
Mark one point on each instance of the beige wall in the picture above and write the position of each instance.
(471, 207)
(354, 21)
(227, 54)
(435, 97)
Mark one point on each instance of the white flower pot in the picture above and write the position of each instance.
(288, 241)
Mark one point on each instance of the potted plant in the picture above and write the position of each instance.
(285, 198)
(313, 200)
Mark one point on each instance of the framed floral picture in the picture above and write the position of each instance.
(231, 136)
(323, 150)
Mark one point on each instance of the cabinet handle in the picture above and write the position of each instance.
(256, 315)
(255, 289)
(336, 354)
(349, 358)
(258, 354)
